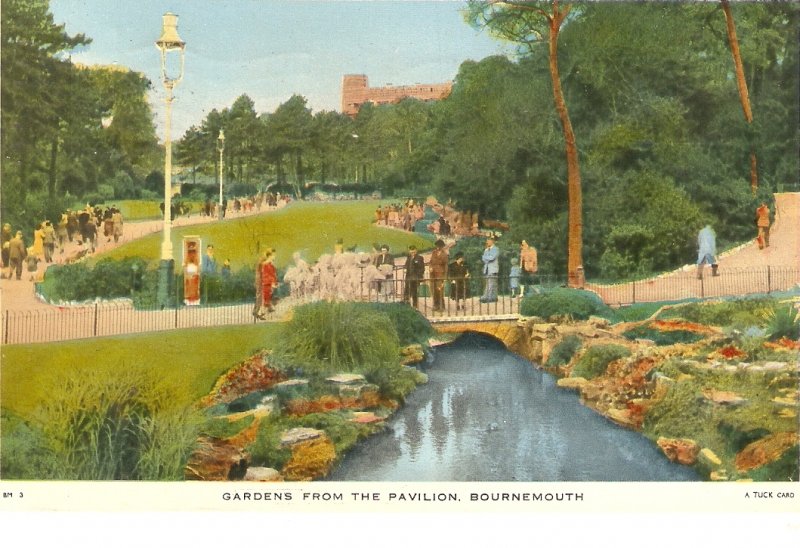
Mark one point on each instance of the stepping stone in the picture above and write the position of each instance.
(297, 435)
(346, 378)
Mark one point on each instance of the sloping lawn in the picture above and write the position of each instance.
(309, 227)
(188, 360)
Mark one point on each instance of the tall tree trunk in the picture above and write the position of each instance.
(574, 195)
(741, 84)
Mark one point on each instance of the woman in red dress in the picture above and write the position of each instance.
(268, 280)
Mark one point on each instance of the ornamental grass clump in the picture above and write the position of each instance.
(326, 338)
(117, 424)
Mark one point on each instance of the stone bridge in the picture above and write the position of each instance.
(508, 330)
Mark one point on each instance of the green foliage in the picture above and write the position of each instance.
(325, 338)
(339, 336)
(122, 425)
(24, 453)
(266, 450)
(783, 321)
(662, 338)
(739, 313)
(783, 469)
(109, 279)
(595, 360)
(575, 303)
(217, 427)
(340, 429)
(562, 353)
(411, 326)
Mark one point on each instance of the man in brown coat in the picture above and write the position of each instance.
(438, 270)
(762, 222)
(17, 252)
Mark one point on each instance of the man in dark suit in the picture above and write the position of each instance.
(415, 272)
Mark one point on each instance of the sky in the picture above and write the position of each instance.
(273, 49)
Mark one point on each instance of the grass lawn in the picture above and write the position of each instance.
(188, 360)
(309, 227)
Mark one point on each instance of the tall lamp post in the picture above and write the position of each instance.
(221, 149)
(168, 43)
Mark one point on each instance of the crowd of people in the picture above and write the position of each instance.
(244, 204)
(88, 227)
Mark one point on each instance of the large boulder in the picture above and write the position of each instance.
(216, 460)
(680, 450)
(766, 450)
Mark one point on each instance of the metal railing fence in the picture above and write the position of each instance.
(437, 299)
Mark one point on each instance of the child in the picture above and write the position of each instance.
(514, 276)
(226, 269)
(32, 264)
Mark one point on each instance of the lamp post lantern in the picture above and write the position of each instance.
(167, 44)
(221, 148)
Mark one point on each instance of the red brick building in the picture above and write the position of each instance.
(356, 92)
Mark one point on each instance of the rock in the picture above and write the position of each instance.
(366, 417)
(575, 383)
(684, 377)
(622, 417)
(787, 414)
(708, 457)
(680, 450)
(790, 402)
(310, 459)
(216, 460)
(598, 321)
(294, 436)
(260, 473)
(346, 378)
(766, 450)
(645, 342)
(774, 366)
(722, 397)
(718, 475)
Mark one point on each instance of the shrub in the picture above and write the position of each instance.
(595, 360)
(783, 321)
(411, 326)
(575, 303)
(562, 353)
(739, 313)
(266, 450)
(662, 338)
(24, 453)
(119, 425)
(109, 279)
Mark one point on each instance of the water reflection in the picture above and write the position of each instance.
(488, 415)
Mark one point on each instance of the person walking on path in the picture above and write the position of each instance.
(38, 242)
(269, 281)
(438, 270)
(116, 217)
(491, 268)
(6, 242)
(529, 265)
(706, 251)
(415, 272)
(762, 222)
(17, 253)
(62, 233)
(49, 241)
